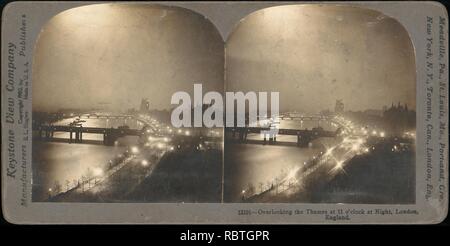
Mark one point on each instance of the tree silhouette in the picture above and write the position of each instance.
(261, 185)
(89, 175)
(67, 185)
(56, 187)
(250, 189)
(83, 181)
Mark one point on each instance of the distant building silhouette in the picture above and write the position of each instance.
(145, 105)
(394, 120)
(399, 118)
(339, 107)
(374, 112)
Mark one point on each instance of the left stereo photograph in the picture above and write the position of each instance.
(102, 79)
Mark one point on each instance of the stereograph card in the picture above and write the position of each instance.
(225, 112)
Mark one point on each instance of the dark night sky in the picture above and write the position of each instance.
(117, 54)
(314, 55)
(114, 55)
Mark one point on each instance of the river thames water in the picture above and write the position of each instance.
(61, 162)
(260, 165)
(64, 163)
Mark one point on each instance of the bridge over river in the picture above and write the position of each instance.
(110, 135)
(304, 137)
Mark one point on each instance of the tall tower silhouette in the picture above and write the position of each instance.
(339, 106)
(145, 105)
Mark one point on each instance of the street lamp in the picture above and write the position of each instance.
(355, 147)
(134, 150)
(98, 172)
(339, 164)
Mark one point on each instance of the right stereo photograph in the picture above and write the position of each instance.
(345, 131)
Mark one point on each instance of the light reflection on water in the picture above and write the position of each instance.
(258, 164)
(101, 122)
(306, 124)
(58, 161)
(93, 122)
(245, 163)
(296, 124)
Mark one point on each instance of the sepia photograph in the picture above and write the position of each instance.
(219, 113)
(103, 76)
(345, 131)
(335, 117)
